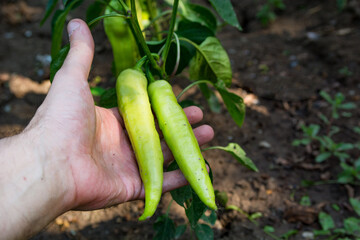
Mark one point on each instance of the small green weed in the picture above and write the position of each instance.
(267, 12)
(326, 144)
(349, 230)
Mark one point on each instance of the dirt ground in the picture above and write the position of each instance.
(279, 70)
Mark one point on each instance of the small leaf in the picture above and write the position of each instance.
(195, 210)
(180, 195)
(108, 99)
(355, 203)
(180, 230)
(58, 61)
(193, 31)
(326, 96)
(165, 228)
(304, 141)
(226, 11)
(211, 62)
(322, 156)
(324, 118)
(221, 197)
(335, 207)
(97, 91)
(305, 201)
(289, 233)
(326, 221)
(95, 10)
(348, 106)
(307, 183)
(49, 9)
(238, 153)
(254, 216)
(211, 98)
(199, 14)
(269, 229)
(352, 225)
(321, 232)
(204, 232)
(57, 27)
(356, 130)
(211, 219)
(234, 104)
(345, 146)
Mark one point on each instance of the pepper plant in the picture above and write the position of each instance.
(164, 40)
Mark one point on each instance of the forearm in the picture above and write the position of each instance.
(33, 190)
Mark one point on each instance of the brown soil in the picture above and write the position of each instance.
(278, 70)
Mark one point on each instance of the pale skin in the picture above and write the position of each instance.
(73, 155)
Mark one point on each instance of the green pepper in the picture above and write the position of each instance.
(181, 140)
(135, 109)
(123, 43)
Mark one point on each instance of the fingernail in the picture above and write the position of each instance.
(72, 26)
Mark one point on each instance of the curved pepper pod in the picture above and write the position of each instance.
(181, 140)
(135, 109)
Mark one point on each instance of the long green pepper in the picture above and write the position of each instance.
(181, 140)
(135, 109)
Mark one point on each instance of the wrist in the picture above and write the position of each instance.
(34, 187)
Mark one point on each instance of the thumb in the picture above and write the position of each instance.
(77, 64)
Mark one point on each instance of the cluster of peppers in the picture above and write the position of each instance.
(136, 100)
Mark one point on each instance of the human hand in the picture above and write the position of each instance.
(99, 156)
(73, 155)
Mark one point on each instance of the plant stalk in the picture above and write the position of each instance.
(170, 33)
(139, 36)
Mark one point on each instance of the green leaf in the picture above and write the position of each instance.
(355, 203)
(341, 4)
(180, 230)
(195, 210)
(57, 27)
(348, 106)
(193, 31)
(234, 104)
(211, 98)
(288, 234)
(322, 156)
(352, 225)
(324, 118)
(305, 201)
(269, 229)
(312, 130)
(335, 207)
(304, 141)
(221, 198)
(165, 228)
(48, 10)
(211, 219)
(326, 221)
(356, 130)
(183, 194)
(201, 15)
(211, 62)
(327, 97)
(307, 183)
(58, 61)
(108, 99)
(344, 146)
(226, 11)
(95, 10)
(97, 91)
(321, 232)
(204, 232)
(238, 153)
